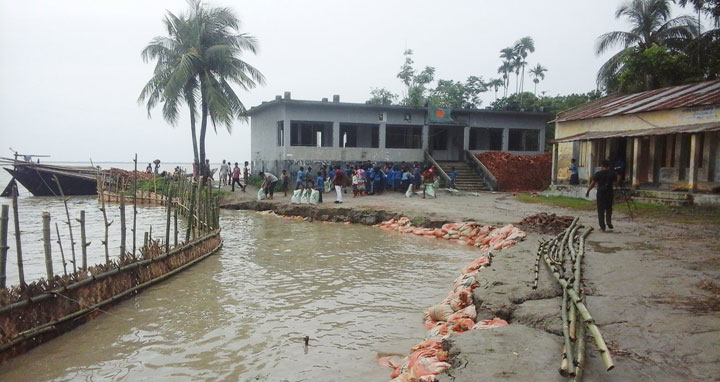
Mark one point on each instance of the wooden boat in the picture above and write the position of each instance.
(39, 179)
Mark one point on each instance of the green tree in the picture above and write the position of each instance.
(455, 94)
(538, 74)
(382, 96)
(200, 60)
(651, 24)
(656, 67)
(523, 47)
(508, 57)
(415, 82)
(495, 84)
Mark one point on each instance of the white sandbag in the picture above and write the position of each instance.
(295, 199)
(430, 191)
(409, 191)
(261, 194)
(305, 198)
(314, 197)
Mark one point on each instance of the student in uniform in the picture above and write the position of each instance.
(574, 179)
(453, 177)
(285, 181)
(300, 179)
(320, 185)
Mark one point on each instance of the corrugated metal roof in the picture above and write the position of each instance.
(590, 135)
(692, 95)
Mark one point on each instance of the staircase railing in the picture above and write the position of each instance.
(443, 175)
(480, 168)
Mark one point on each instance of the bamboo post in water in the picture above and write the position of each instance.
(122, 221)
(47, 246)
(107, 225)
(3, 244)
(67, 213)
(150, 234)
(176, 227)
(167, 223)
(62, 254)
(18, 244)
(83, 240)
(191, 216)
(145, 242)
(134, 202)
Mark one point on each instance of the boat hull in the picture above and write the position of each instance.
(42, 183)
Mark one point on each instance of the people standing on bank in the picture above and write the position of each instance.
(246, 173)
(285, 179)
(148, 169)
(223, 173)
(236, 178)
(338, 182)
(605, 179)
(300, 179)
(574, 179)
(269, 183)
(309, 179)
(320, 185)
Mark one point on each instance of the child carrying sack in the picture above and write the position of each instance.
(261, 194)
(305, 198)
(314, 197)
(295, 199)
(409, 191)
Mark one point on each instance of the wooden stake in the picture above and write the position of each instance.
(167, 222)
(191, 216)
(83, 240)
(134, 202)
(62, 254)
(107, 225)
(3, 244)
(67, 214)
(146, 241)
(18, 244)
(176, 226)
(47, 246)
(122, 221)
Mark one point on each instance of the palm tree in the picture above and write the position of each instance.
(651, 24)
(517, 64)
(523, 47)
(199, 61)
(538, 74)
(495, 83)
(508, 55)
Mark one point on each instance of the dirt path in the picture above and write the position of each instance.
(652, 287)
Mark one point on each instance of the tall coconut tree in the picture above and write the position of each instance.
(508, 55)
(204, 62)
(650, 24)
(495, 83)
(523, 47)
(538, 74)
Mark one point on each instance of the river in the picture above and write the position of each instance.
(241, 314)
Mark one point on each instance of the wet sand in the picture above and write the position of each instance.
(649, 286)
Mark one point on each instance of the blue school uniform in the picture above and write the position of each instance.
(453, 176)
(319, 184)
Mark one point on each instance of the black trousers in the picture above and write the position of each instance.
(320, 198)
(235, 180)
(604, 208)
(270, 189)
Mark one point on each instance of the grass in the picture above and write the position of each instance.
(675, 214)
(159, 185)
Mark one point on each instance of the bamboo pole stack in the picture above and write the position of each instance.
(563, 256)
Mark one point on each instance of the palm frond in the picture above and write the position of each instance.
(611, 39)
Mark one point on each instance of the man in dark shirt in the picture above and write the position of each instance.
(605, 179)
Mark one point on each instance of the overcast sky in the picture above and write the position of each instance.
(71, 71)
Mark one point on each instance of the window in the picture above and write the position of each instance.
(523, 140)
(403, 137)
(314, 134)
(359, 135)
(482, 138)
(281, 133)
(439, 139)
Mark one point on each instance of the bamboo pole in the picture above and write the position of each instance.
(134, 202)
(568, 365)
(577, 277)
(62, 254)
(580, 356)
(47, 246)
(146, 242)
(107, 225)
(150, 234)
(122, 222)
(176, 226)
(190, 216)
(69, 223)
(167, 222)
(83, 240)
(3, 243)
(18, 242)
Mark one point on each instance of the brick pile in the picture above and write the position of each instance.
(518, 172)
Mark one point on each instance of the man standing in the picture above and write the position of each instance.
(246, 173)
(604, 179)
(223, 173)
(300, 179)
(338, 182)
(236, 178)
(574, 179)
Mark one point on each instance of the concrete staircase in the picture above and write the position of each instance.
(467, 179)
(670, 198)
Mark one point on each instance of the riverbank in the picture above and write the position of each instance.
(651, 285)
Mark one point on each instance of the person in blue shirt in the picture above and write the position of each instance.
(417, 178)
(406, 179)
(320, 185)
(453, 177)
(369, 177)
(574, 179)
(378, 181)
(300, 179)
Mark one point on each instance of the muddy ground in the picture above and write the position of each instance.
(652, 287)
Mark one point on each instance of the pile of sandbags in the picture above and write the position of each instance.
(467, 233)
(455, 314)
(546, 223)
(518, 172)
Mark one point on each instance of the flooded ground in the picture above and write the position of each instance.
(241, 315)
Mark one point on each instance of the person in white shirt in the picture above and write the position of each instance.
(269, 183)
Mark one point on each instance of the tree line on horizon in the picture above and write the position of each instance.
(657, 51)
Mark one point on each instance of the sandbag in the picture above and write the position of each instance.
(305, 197)
(314, 197)
(409, 191)
(440, 312)
(261, 194)
(430, 191)
(295, 199)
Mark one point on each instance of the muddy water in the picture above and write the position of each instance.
(241, 315)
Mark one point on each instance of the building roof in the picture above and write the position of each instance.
(693, 128)
(692, 95)
(286, 101)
